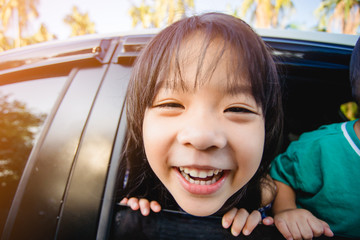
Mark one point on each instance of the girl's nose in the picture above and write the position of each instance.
(202, 136)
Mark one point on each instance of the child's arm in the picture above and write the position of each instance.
(293, 222)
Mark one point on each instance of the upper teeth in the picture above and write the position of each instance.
(200, 173)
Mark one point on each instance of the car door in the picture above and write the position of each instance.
(74, 140)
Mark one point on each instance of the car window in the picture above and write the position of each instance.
(305, 67)
(24, 107)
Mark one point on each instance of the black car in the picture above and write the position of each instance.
(62, 125)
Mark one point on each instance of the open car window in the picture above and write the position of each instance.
(315, 79)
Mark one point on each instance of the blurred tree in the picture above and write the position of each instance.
(17, 13)
(264, 13)
(80, 23)
(350, 110)
(18, 129)
(41, 35)
(160, 12)
(342, 16)
(5, 42)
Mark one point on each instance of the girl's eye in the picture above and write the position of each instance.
(238, 110)
(169, 105)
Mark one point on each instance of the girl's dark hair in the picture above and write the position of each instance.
(250, 58)
(355, 72)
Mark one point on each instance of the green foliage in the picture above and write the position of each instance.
(159, 13)
(350, 110)
(18, 14)
(80, 23)
(265, 13)
(5, 42)
(341, 16)
(18, 129)
(24, 9)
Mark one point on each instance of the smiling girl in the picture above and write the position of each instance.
(204, 120)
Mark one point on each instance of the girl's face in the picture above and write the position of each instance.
(204, 143)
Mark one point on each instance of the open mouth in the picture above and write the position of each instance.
(201, 177)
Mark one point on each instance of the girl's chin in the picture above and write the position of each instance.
(199, 206)
(201, 211)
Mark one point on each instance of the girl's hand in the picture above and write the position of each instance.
(300, 224)
(143, 204)
(241, 221)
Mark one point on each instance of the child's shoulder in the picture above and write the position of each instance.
(324, 136)
(311, 145)
(325, 132)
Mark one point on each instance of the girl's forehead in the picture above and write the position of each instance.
(200, 60)
(197, 46)
(217, 83)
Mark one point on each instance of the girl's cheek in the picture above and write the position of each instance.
(155, 135)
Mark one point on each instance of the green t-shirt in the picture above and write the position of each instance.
(323, 168)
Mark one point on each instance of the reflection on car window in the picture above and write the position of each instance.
(24, 107)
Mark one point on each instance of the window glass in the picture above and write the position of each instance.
(24, 107)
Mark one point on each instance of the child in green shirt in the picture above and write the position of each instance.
(317, 178)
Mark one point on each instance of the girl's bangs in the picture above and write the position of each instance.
(174, 64)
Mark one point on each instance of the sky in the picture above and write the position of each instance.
(111, 16)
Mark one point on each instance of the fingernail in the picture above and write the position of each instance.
(234, 233)
(225, 224)
(145, 212)
(246, 232)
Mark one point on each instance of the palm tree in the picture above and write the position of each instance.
(80, 23)
(18, 13)
(5, 42)
(264, 13)
(339, 16)
(160, 13)
(42, 35)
